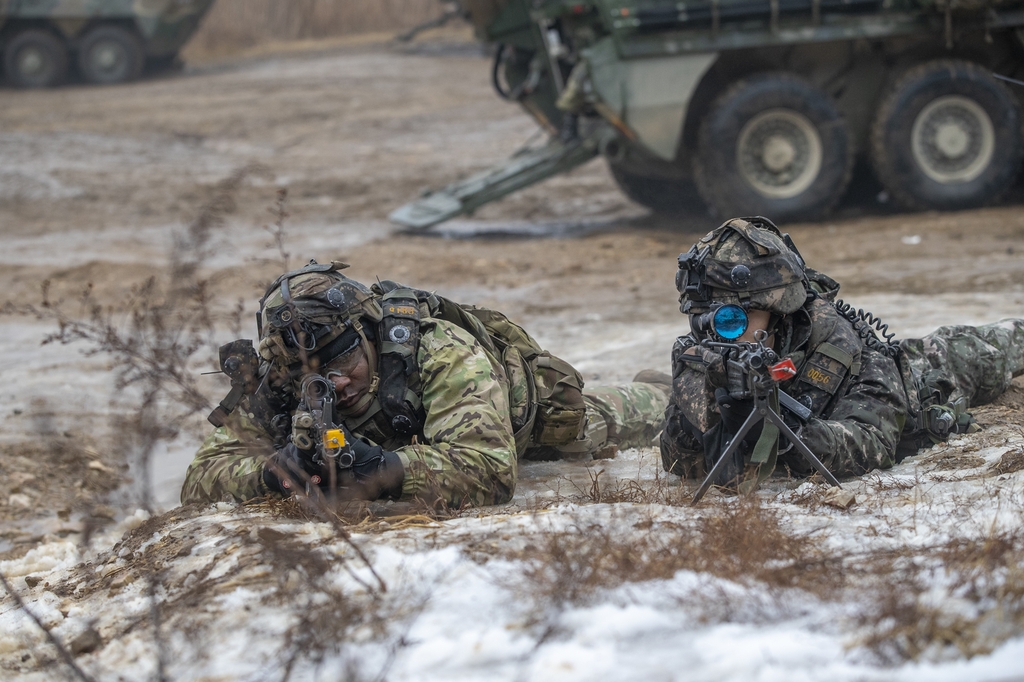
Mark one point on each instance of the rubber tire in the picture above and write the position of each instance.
(719, 179)
(130, 67)
(53, 49)
(667, 197)
(891, 152)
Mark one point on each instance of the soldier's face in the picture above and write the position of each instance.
(757, 320)
(350, 375)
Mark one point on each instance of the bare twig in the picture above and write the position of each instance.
(280, 212)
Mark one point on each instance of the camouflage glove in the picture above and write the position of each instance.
(714, 365)
(291, 467)
(376, 473)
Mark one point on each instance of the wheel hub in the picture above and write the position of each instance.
(953, 140)
(31, 62)
(779, 153)
(106, 56)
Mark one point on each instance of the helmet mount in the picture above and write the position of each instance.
(745, 262)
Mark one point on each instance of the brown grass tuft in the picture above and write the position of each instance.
(743, 541)
(988, 574)
(1009, 463)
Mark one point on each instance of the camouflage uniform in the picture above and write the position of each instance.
(869, 410)
(466, 451)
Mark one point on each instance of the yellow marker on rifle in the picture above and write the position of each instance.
(334, 439)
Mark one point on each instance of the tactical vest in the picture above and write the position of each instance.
(828, 359)
(546, 405)
(832, 359)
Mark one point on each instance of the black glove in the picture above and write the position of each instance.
(734, 412)
(376, 473)
(290, 467)
(716, 441)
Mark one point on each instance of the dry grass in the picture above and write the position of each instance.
(1010, 462)
(988, 574)
(604, 489)
(326, 616)
(238, 24)
(743, 541)
(904, 615)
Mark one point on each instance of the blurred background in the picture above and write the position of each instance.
(234, 25)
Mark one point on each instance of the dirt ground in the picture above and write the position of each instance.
(95, 181)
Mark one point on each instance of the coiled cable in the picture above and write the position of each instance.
(868, 328)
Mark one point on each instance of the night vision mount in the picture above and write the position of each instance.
(691, 280)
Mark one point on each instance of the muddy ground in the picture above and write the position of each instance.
(95, 182)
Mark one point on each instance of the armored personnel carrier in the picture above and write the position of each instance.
(761, 105)
(107, 41)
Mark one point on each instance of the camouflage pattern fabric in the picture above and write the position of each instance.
(466, 453)
(628, 416)
(748, 263)
(864, 412)
(860, 416)
(976, 363)
(229, 464)
(953, 369)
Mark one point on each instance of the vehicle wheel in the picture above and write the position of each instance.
(668, 197)
(773, 145)
(35, 59)
(947, 136)
(110, 54)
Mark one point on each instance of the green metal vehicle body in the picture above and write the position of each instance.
(108, 40)
(761, 106)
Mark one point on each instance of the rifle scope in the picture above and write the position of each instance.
(727, 322)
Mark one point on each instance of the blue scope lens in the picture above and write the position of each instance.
(729, 322)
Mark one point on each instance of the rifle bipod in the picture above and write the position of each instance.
(763, 410)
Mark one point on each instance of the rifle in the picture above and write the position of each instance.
(313, 428)
(753, 370)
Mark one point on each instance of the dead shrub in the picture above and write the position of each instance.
(658, 491)
(901, 624)
(154, 343)
(742, 541)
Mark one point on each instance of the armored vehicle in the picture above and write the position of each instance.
(107, 41)
(762, 106)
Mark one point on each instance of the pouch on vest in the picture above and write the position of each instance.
(560, 407)
(823, 372)
(545, 393)
(556, 403)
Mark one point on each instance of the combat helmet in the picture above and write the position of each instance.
(745, 261)
(312, 315)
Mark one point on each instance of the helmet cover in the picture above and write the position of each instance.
(310, 315)
(745, 261)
